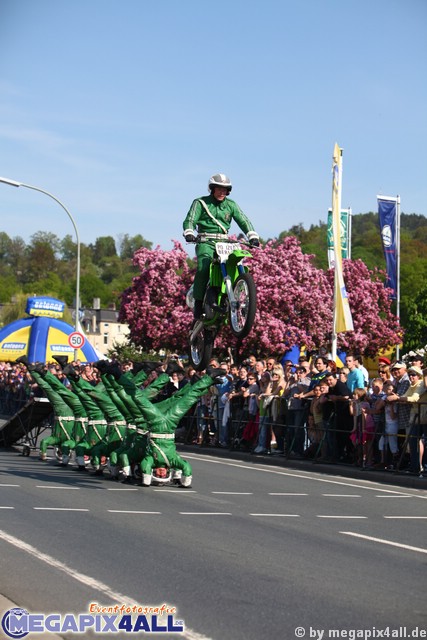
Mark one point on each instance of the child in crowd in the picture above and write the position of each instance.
(389, 439)
(315, 420)
(265, 398)
(362, 435)
(250, 431)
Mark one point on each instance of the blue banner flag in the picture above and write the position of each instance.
(387, 214)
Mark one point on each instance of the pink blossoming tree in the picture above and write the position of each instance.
(295, 303)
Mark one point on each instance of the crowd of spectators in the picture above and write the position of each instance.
(15, 387)
(310, 409)
(315, 410)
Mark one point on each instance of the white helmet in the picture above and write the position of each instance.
(220, 180)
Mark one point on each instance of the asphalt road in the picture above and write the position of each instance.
(251, 551)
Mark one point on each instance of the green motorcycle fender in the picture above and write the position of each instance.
(216, 279)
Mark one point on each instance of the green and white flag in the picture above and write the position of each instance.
(345, 231)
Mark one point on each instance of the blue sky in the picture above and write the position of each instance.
(124, 108)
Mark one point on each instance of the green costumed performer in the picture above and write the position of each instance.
(64, 416)
(115, 421)
(73, 401)
(134, 446)
(96, 425)
(161, 452)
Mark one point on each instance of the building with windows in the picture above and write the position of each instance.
(102, 328)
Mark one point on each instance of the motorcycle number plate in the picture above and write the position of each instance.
(224, 249)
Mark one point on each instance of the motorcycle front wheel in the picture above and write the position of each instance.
(242, 318)
(201, 349)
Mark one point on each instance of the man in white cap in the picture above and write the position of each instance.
(412, 396)
(401, 378)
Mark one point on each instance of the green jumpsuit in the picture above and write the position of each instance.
(80, 415)
(219, 219)
(97, 424)
(162, 422)
(64, 416)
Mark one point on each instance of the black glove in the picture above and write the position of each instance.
(190, 237)
(254, 242)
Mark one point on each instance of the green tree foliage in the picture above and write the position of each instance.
(128, 245)
(104, 247)
(47, 265)
(416, 334)
(9, 286)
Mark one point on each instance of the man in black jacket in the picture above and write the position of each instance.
(336, 412)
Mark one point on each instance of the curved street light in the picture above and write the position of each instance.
(14, 183)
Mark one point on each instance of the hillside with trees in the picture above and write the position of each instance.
(47, 266)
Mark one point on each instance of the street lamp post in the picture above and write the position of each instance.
(13, 183)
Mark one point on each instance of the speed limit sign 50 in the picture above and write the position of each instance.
(76, 340)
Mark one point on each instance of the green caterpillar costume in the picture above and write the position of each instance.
(162, 421)
(118, 419)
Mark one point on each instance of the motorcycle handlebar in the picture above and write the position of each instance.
(219, 237)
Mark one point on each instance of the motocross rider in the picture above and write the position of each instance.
(213, 214)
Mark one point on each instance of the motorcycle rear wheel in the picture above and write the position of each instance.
(242, 319)
(201, 349)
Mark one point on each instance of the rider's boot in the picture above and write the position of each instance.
(198, 309)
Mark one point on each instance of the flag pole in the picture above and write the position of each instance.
(350, 213)
(336, 217)
(342, 320)
(398, 266)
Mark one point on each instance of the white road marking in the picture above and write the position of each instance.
(406, 517)
(276, 515)
(340, 495)
(145, 512)
(403, 495)
(57, 509)
(286, 494)
(178, 493)
(204, 513)
(88, 581)
(345, 517)
(289, 474)
(10, 485)
(382, 541)
(233, 493)
(46, 486)
(7, 507)
(122, 488)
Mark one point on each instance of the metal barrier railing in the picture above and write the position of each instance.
(289, 428)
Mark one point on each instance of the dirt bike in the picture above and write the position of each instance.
(230, 298)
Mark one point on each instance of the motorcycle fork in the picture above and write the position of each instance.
(228, 287)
